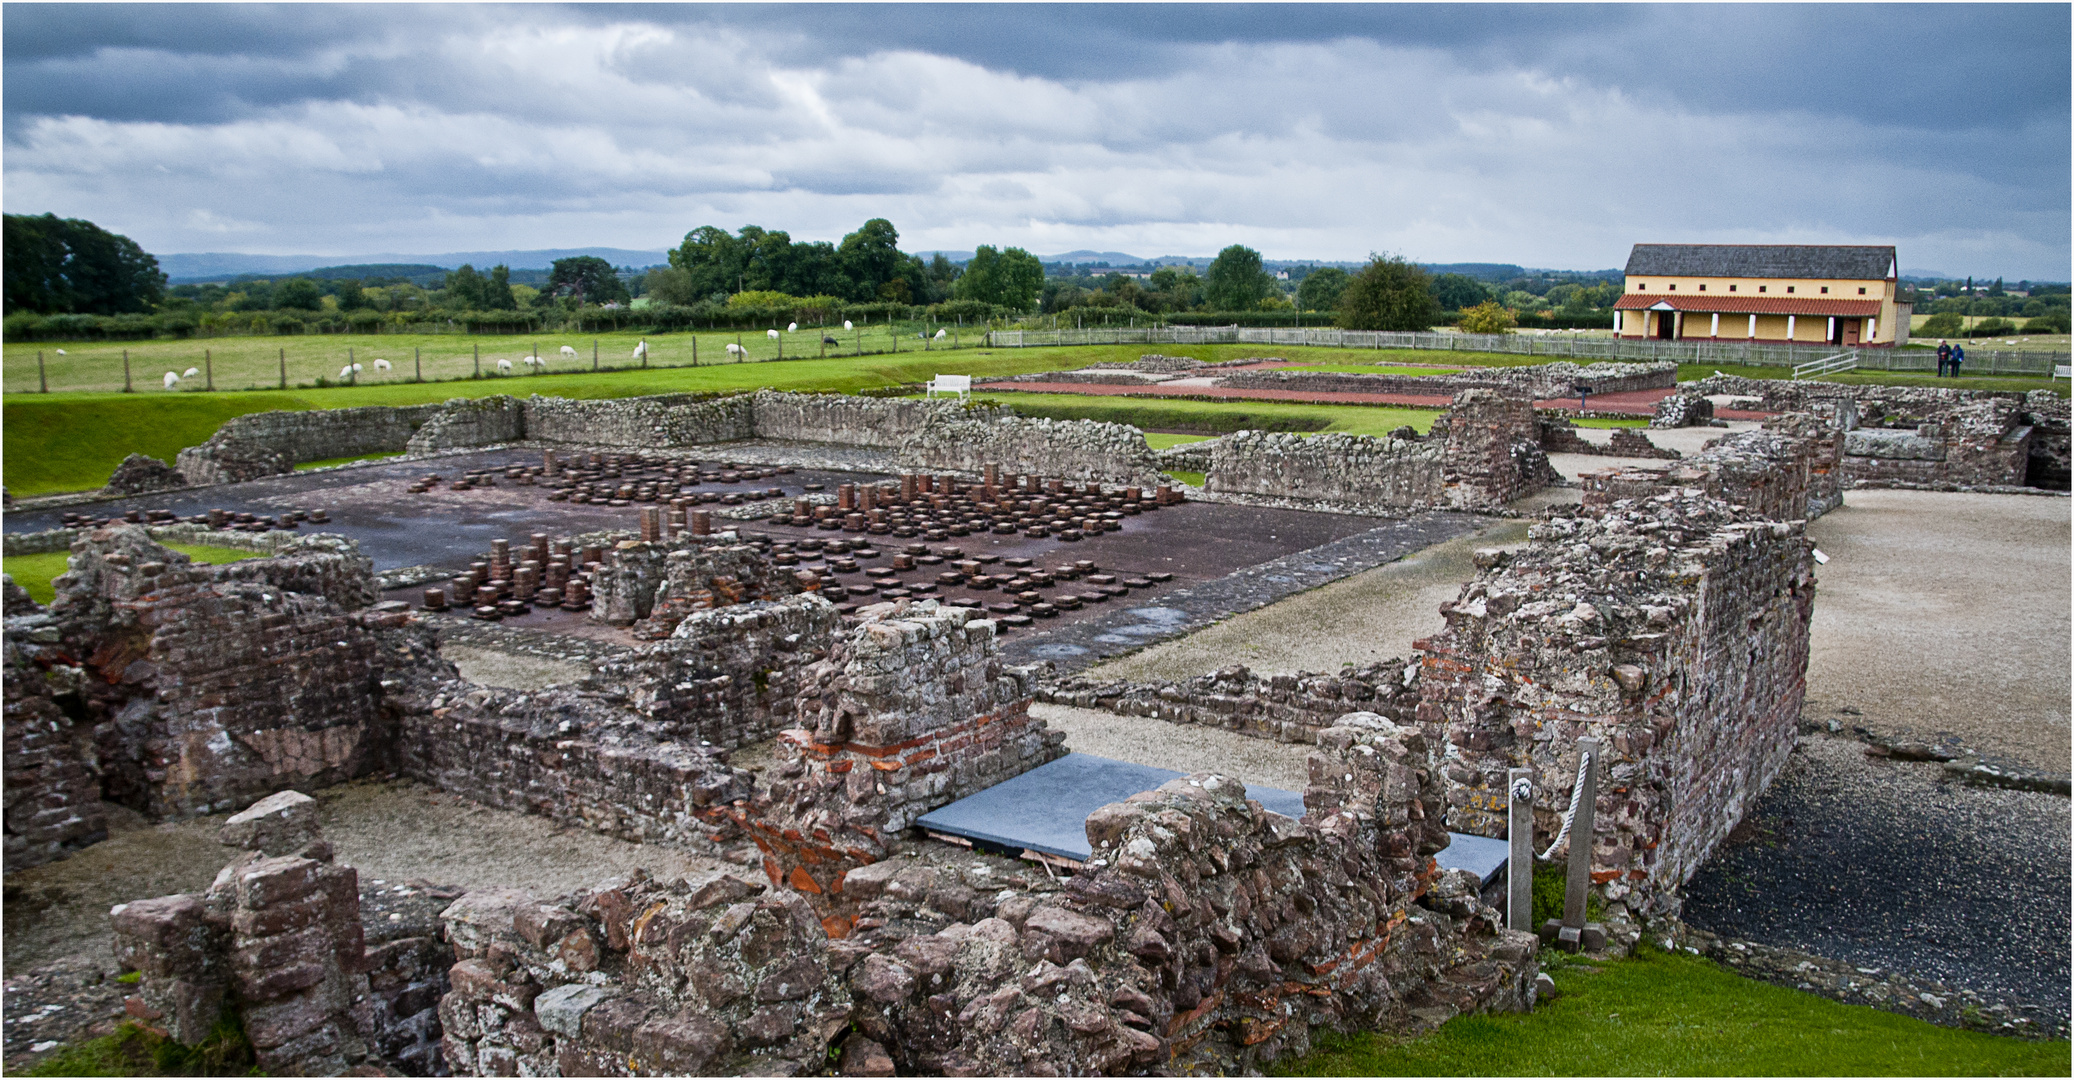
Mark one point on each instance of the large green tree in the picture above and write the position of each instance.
(55, 264)
(1321, 288)
(1459, 292)
(300, 293)
(1388, 294)
(1236, 280)
(464, 289)
(586, 279)
(1011, 278)
(496, 291)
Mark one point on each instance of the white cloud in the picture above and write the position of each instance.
(545, 133)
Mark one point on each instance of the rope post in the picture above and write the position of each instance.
(1519, 861)
(1571, 933)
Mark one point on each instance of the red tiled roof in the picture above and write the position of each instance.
(1728, 304)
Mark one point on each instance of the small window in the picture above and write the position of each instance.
(1674, 288)
(1763, 288)
(1731, 288)
(1789, 288)
(1825, 290)
(1703, 288)
(1861, 290)
(1641, 285)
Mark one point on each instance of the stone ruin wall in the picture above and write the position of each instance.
(1559, 436)
(269, 443)
(1672, 628)
(1538, 381)
(1929, 436)
(1284, 708)
(1790, 469)
(1168, 952)
(729, 676)
(1481, 453)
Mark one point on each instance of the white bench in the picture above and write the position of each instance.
(2063, 371)
(960, 385)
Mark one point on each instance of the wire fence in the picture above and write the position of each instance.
(1553, 346)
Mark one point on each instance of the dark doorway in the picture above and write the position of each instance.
(1667, 325)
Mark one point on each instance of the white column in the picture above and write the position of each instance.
(1753, 328)
(1714, 330)
(1831, 334)
(1872, 329)
(1677, 325)
(1790, 320)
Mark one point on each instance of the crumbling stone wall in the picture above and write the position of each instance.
(572, 756)
(1329, 467)
(1975, 444)
(653, 421)
(1672, 628)
(270, 443)
(52, 794)
(1493, 449)
(467, 422)
(209, 685)
(1559, 436)
(1790, 469)
(1285, 708)
(729, 676)
(1207, 935)
(138, 475)
(663, 581)
(1682, 410)
(1538, 381)
(912, 710)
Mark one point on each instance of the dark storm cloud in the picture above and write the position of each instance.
(1538, 133)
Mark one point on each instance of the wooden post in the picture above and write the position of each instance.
(694, 348)
(739, 354)
(478, 360)
(126, 371)
(594, 352)
(42, 383)
(284, 369)
(417, 362)
(209, 369)
(1519, 861)
(352, 377)
(1572, 933)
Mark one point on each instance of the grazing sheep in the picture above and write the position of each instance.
(940, 334)
(772, 334)
(346, 372)
(826, 340)
(190, 373)
(847, 326)
(381, 364)
(172, 380)
(61, 352)
(641, 350)
(357, 369)
(503, 365)
(736, 350)
(792, 328)
(568, 352)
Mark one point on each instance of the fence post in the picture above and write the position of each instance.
(478, 359)
(1519, 862)
(594, 351)
(126, 371)
(42, 383)
(208, 369)
(284, 369)
(417, 363)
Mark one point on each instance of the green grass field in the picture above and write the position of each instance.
(1377, 369)
(34, 572)
(1160, 440)
(1666, 1015)
(328, 462)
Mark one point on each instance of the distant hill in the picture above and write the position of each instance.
(197, 268)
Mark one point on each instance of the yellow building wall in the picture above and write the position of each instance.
(1838, 289)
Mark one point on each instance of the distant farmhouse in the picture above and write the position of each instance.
(1770, 293)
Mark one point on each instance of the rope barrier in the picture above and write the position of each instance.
(1570, 815)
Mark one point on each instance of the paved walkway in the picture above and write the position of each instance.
(1631, 403)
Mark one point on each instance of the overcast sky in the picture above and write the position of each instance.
(1547, 135)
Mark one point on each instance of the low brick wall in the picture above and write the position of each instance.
(1285, 708)
(1793, 468)
(730, 676)
(1560, 437)
(1675, 630)
(270, 443)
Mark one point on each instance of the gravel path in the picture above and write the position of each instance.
(1880, 863)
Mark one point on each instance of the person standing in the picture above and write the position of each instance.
(1944, 358)
(1958, 357)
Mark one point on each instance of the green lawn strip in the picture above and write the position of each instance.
(1610, 422)
(1160, 440)
(35, 572)
(1218, 417)
(1668, 1015)
(1695, 372)
(1192, 478)
(382, 456)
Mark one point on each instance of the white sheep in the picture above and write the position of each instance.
(357, 369)
(382, 365)
(847, 326)
(940, 334)
(346, 372)
(531, 361)
(569, 352)
(641, 350)
(172, 379)
(792, 328)
(736, 350)
(190, 373)
(61, 352)
(773, 334)
(503, 365)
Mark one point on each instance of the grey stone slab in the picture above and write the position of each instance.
(1480, 854)
(1046, 808)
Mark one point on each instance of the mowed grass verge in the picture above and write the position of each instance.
(34, 573)
(1657, 1014)
(1218, 417)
